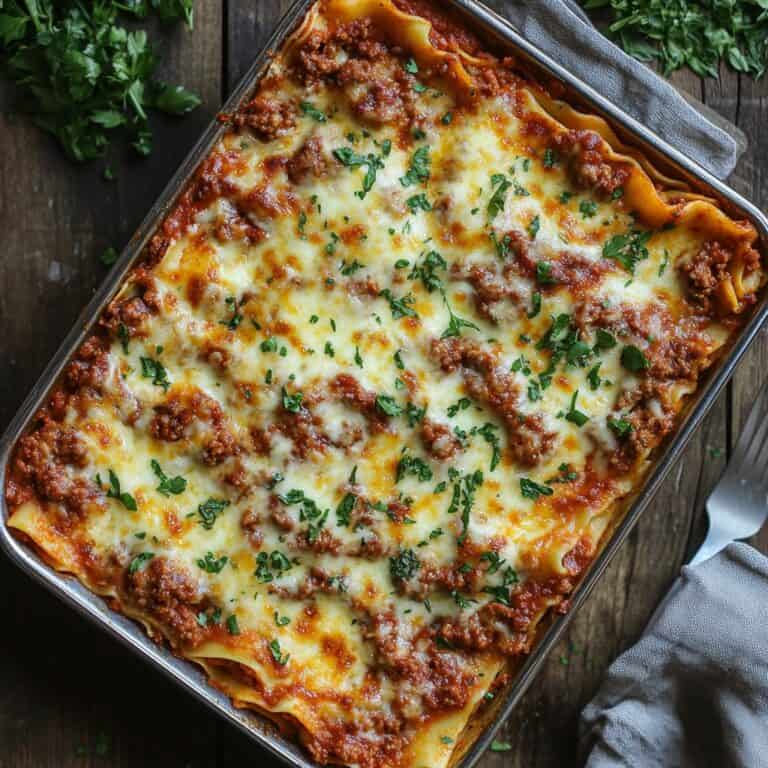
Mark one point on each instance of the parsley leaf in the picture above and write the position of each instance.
(348, 157)
(633, 359)
(418, 170)
(404, 565)
(155, 370)
(532, 490)
(115, 492)
(628, 249)
(168, 485)
(209, 511)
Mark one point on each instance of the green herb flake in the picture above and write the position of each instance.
(115, 492)
(628, 249)
(232, 626)
(633, 359)
(209, 510)
(139, 561)
(418, 169)
(532, 490)
(277, 654)
(168, 485)
(155, 370)
(310, 110)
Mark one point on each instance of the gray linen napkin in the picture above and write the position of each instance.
(693, 692)
(562, 30)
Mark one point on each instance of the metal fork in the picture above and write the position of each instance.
(738, 506)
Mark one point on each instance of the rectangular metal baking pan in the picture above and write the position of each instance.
(483, 729)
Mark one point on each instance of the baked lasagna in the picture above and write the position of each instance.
(360, 415)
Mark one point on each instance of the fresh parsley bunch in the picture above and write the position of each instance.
(83, 76)
(696, 33)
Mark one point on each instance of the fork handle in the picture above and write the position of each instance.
(715, 541)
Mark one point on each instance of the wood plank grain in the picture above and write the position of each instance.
(751, 178)
(69, 693)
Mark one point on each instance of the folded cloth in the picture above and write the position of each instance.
(693, 691)
(562, 30)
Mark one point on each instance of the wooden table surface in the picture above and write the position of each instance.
(70, 697)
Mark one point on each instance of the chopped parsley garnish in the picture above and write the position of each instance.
(467, 486)
(565, 196)
(411, 67)
(292, 403)
(426, 271)
(419, 203)
(500, 746)
(489, 433)
(562, 339)
(503, 247)
(628, 249)
(621, 427)
(310, 110)
(350, 269)
(418, 170)
(532, 490)
(371, 162)
(587, 209)
(400, 307)
(593, 377)
(633, 359)
(236, 318)
(232, 626)
(155, 370)
(535, 305)
(662, 266)
(501, 592)
(544, 273)
(460, 405)
(447, 118)
(344, 510)
(266, 563)
(413, 465)
(533, 227)
(328, 349)
(398, 358)
(124, 335)
(387, 405)
(139, 561)
(455, 323)
(414, 414)
(358, 358)
(115, 492)
(269, 345)
(460, 600)
(404, 565)
(574, 415)
(309, 512)
(521, 365)
(281, 621)
(501, 185)
(209, 510)
(604, 340)
(211, 564)
(494, 561)
(550, 158)
(168, 485)
(277, 654)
